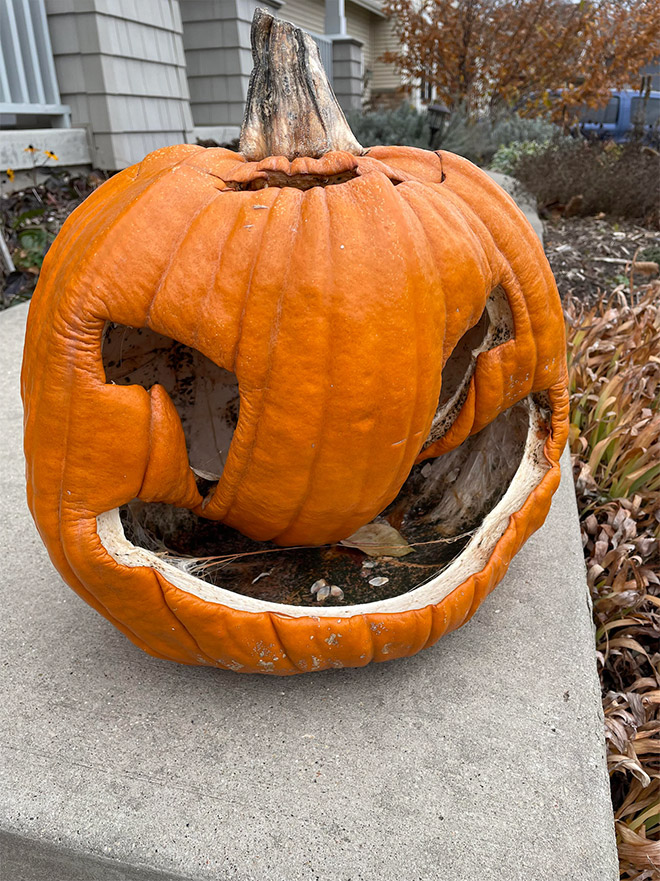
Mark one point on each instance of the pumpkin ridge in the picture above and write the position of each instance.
(313, 476)
(248, 287)
(229, 497)
(166, 603)
(413, 325)
(319, 435)
(202, 305)
(339, 210)
(366, 475)
(107, 612)
(107, 228)
(174, 253)
(420, 228)
(444, 208)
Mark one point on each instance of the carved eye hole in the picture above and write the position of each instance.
(206, 396)
(493, 328)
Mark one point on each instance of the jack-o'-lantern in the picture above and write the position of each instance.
(294, 407)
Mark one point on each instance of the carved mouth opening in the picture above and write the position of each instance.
(448, 516)
(446, 519)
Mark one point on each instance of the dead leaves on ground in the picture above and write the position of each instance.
(614, 369)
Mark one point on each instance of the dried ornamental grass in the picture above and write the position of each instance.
(614, 364)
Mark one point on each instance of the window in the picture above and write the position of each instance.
(426, 92)
(645, 111)
(601, 115)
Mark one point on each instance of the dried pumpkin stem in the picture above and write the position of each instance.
(291, 109)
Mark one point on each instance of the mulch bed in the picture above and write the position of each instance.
(592, 255)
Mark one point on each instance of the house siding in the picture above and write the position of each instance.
(121, 68)
(140, 74)
(360, 25)
(306, 14)
(216, 41)
(385, 77)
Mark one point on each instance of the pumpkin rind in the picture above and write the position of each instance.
(336, 307)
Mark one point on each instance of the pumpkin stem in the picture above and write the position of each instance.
(291, 109)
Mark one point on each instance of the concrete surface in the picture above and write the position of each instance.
(69, 145)
(481, 759)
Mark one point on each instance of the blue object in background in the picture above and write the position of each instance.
(625, 113)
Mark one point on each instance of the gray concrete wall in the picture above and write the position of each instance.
(121, 67)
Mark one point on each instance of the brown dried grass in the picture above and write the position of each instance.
(614, 369)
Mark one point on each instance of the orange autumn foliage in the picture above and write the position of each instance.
(483, 54)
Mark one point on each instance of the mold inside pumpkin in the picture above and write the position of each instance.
(235, 361)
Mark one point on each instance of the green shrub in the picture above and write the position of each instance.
(403, 126)
(508, 156)
(476, 140)
(480, 140)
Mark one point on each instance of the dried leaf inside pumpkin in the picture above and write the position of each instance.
(378, 540)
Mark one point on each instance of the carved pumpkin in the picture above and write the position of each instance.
(278, 340)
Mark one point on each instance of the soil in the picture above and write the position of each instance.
(576, 247)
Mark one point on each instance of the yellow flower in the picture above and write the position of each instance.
(30, 149)
(52, 155)
(10, 173)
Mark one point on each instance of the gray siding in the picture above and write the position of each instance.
(216, 40)
(121, 67)
(306, 14)
(360, 24)
(385, 77)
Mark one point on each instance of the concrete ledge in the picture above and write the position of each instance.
(481, 759)
(69, 144)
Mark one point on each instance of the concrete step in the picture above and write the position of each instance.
(481, 759)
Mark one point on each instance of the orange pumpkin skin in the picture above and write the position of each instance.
(336, 307)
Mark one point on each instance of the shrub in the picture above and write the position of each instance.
(508, 156)
(595, 176)
(477, 141)
(615, 442)
(480, 140)
(403, 126)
